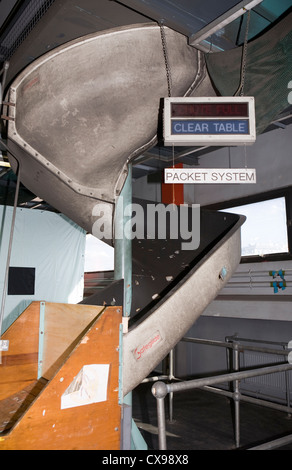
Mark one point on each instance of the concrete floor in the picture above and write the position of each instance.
(203, 421)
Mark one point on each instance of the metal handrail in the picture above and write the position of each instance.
(160, 389)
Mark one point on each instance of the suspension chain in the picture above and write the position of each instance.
(240, 90)
(167, 66)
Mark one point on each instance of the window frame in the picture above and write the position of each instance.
(281, 192)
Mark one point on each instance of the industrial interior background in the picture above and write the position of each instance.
(250, 311)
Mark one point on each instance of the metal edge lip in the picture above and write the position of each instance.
(14, 136)
(73, 44)
(76, 187)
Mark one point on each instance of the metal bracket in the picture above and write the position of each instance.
(222, 21)
(121, 364)
(41, 338)
(7, 118)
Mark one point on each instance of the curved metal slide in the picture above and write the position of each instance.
(76, 118)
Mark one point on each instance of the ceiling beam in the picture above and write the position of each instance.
(221, 21)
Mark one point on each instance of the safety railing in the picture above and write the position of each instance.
(162, 389)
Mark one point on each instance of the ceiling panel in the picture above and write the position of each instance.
(187, 16)
(56, 23)
(6, 8)
(191, 17)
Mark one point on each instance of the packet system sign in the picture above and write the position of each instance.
(209, 175)
(209, 121)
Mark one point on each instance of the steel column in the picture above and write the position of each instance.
(41, 338)
(123, 270)
(123, 242)
(9, 256)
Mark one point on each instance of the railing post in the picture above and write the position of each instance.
(171, 377)
(287, 382)
(236, 397)
(159, 390)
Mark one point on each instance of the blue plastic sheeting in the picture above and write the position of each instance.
(50, 243)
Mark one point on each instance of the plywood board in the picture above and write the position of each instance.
(64, 324)
(19, 365)
(96, 426)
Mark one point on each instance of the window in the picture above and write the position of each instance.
(98, 255)
(267, 232)
(265, 229)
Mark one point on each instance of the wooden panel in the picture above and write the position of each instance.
(20, 363)
(96, 426)
(13, 407)
(64, 324)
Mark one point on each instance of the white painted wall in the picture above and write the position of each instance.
(50, 243)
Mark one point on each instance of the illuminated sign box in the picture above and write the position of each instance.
(209, 121)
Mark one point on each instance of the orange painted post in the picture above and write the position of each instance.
(172, 193)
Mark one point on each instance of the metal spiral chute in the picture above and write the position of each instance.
(77, 117)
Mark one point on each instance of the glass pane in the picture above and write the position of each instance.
(265, 229)
(98, 255)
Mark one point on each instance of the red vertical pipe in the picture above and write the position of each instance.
(172, 193)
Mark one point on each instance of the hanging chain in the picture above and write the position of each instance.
(243, 72)
(240, 90)
(169, 85)
(167, 66)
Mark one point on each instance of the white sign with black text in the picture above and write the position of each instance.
(209, 175)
